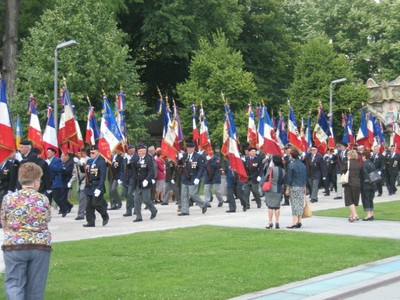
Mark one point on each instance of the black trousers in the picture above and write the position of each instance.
(96, 204)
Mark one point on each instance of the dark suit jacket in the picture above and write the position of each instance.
(254, 168)
(8, 177)
(191, 169)
(66, 173)
(392, 163)
(317, 166)
(96, 175)
(144, 170)
(55, 173)
(115, 168)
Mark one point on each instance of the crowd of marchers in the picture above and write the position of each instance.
(146, 176)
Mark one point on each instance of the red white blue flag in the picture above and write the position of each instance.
(35, 131)
(110, 135)
(49, 134)
(7, 141)
(204, 141)
(251, 128)
(92, 129)
(363, 134)
(293, 134)
(195, 134)
(267, 141)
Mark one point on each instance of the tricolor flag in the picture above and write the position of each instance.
(281, 132)
(251, 128)
(371, 130)
(309, 135)
(363, 134)
(233, 153)
(204, 141)
(110, 136)
(293, 134)
(178, 128)
(347, 123)
(50, 135)
(120, 105)
(225, 136)
(331, 139)
(18, 132)
(169, 136)
(92, 129)
(321, 131)
(35, 131)
(379, 135)
(196, 136)
(266, 134)
(7, 141)
(303, 135)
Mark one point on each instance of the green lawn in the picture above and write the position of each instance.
(389, 211)
(203, 262)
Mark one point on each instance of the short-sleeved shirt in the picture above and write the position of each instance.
(27, 214)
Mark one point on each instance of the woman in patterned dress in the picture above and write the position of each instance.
(25, 215)
(296, 179)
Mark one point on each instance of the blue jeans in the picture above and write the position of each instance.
(26, 274)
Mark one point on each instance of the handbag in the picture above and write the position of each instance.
(374, 177)
(344, 178)
(307, 212)
(267, 185)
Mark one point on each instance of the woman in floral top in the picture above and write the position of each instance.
(25, 215)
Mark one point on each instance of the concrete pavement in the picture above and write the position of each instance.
(66, 229)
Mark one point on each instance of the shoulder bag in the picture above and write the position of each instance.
(344, 178)
(267, 185)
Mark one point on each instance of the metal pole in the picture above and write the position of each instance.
(56, 89)
(330, 97)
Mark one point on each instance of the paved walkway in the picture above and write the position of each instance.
(378, 278)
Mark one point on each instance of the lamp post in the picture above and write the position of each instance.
(59, 46)
(331, 92)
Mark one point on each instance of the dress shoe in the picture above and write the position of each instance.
(64, 214)
(112, 208)
(337, 198)
(285, 204)
(326, 194)
(259, 205)
(105, 222)
(298, 225)
(164, 203)
(277, 226)
(153, 214)
(204, 209)
(69, 209)
(79, 218)
(182, 214)
(379, 195)
(245, 208)
(118, 206)
(208, 204)
(127, 215)
(270, 226)
(313, 200)
(220, 204)
(230, 211)
(292, 227)
(369, 219)
(88, 225)
(137, 220)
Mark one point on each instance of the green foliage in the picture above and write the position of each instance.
(100, 61)
(267, 48)
(217, 68)
(166, 264)
(317, 65)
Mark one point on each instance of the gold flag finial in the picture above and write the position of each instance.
(88, 100)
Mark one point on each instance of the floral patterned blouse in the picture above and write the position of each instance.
(27, 214)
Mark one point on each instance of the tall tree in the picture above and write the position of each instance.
(317, 65)
(100, 60)
(217, 68)
(165, 33)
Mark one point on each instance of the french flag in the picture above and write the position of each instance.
(195, 135)
(309, 135)
(251, 128)
(371, 130)
(266, 134)
(363, 134)
(234, 157)
(35, 131)
(121, 115)
(7, 141)
(169, 137)
(92, 129)
(110, 136)
(178, 129)
(225, 137)
(49, 134)
(331, 139)
(293, 134)
(204, 141)
(303, 135)
(321, 131)
(281, 132)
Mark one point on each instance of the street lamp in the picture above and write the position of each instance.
(59, 46)
(331, 92)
